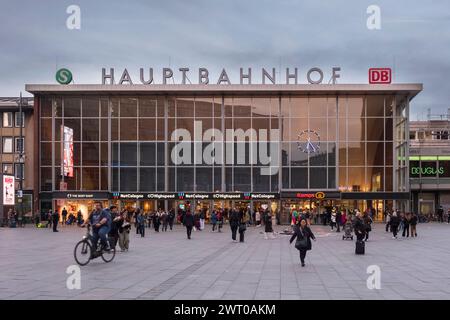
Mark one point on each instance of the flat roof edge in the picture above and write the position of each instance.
(413, 88)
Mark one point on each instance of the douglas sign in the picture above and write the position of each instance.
(202, 75)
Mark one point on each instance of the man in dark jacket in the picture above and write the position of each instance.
(55, 219)
(359, 227)
(440, 214)
(171, 218)
(234, 223)
(188, 222)
(115, 225)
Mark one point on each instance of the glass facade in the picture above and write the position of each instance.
(226, 143)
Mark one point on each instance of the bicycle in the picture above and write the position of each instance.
(83, 252)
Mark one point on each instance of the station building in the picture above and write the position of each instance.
(280, 146)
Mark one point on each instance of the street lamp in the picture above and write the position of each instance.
(20, 192)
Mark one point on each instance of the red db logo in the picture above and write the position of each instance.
(380, 75)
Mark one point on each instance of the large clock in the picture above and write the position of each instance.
(308, 141)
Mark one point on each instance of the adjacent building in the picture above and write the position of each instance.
(21, 168)
(430, 164)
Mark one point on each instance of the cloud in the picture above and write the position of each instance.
(414, 39)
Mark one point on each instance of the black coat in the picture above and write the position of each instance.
(360, 227)
(188, 220)
(306, 233)
(394, 222)
(234, 219)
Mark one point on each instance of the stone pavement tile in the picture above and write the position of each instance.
(410, 268)
(267, 295)
(290, 297)
(97, 294)
(212, 294)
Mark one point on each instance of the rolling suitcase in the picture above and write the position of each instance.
(360, 247)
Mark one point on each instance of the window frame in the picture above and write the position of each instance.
(3, 145)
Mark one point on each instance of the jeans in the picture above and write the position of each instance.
(241, 236)
(233, 232)
(387, 226)
(189, 231)
(141, 229)
(406, 230)
(394, 230)
(124, 240)
(214, 226)
(101, 233)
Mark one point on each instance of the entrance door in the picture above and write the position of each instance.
(426, 207)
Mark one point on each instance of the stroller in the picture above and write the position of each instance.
(348, 231)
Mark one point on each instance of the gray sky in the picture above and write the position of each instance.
(414, 39)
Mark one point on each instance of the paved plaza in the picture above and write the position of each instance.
(33, 265)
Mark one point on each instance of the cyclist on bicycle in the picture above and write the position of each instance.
(100, 220)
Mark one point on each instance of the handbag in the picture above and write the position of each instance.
(242, 227)
(301, 243)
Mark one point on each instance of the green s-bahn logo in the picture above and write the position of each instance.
(63, 76)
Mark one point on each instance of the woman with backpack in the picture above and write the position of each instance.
(303, 234)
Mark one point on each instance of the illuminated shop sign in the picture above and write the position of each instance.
(67, 134)
(194, 196)
(428, 167)
(203, 76)
(427, 171)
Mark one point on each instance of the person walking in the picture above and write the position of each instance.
(55, 220)
(359, 227)
(388, 216)
(124, 225)
(171, 218)
(406, 220)
(242, 227)
(64, 216)
(234, 223)
(79, 218)
(188, 222)
(440, 214)
(213, 220)
(257, 218)
(338, 220)
(202, 217)
(220, 220)
(157, 220)
(413, 224)
(114, 232)
(302, 235)
(164, 220)
(333, 219)
(368, 224)
(268, 229)
(140, 221)
(394, 223)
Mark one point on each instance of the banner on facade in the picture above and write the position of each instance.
(8, 191)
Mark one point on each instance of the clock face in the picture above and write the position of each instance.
(308, 141)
